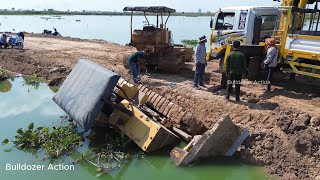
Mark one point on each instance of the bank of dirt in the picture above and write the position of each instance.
(284, 126)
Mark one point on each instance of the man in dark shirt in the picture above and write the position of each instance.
(134, 64)
(235, 68)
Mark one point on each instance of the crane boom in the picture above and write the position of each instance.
(297, 3)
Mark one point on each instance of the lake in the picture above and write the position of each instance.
(111, 28)
(21, 104)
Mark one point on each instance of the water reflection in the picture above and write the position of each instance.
(21, 100)
(31, 81)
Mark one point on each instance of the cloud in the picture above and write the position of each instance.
(19, 101)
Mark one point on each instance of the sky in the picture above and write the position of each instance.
(118, 5)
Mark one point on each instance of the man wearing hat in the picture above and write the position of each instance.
(235, 68)
(201, 62)
(271, 61)
(134, 63)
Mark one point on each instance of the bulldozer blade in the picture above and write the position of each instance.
(223, 139)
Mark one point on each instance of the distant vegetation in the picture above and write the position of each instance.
(192, 42)
(84, 12)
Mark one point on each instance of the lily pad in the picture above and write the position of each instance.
(5, 86)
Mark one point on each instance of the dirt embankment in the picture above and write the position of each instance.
(284, 123)
(53, 57)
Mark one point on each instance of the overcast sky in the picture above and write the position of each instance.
(117, 5)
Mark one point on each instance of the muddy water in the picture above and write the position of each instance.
(24, 104)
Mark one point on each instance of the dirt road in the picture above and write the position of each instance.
(284, 123)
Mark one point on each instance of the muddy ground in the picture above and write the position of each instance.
(284, 123)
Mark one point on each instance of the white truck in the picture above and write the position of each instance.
(293, 25)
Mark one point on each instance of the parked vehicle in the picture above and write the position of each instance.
(293, 25)
(47, 32)
(17, 41)
(3, 41)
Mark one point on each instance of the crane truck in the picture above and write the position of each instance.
(293, 25)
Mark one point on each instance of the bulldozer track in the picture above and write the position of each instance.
(175, 114)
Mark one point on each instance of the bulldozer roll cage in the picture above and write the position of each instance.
(152, 9)
(312, 16)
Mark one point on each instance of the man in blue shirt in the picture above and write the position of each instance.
(201, 62)
(134, 64)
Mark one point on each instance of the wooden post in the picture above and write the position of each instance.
(161, 26)
(157, 20)
(131, 27)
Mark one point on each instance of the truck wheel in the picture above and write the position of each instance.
(254, 67)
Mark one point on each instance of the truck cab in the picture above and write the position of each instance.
(250, 25)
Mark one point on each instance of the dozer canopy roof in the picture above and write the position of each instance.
(153, 9)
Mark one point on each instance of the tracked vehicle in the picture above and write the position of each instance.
(165, 55)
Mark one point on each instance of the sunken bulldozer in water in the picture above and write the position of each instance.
(92, 95)
(165, 55)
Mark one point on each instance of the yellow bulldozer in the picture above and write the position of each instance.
(165, 55)
(101, 97)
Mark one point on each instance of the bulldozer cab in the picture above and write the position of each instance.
(151, 36)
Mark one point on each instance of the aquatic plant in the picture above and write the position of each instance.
(191, 42)
(32, 81)
(105, 159)
(5, 86)
(108, 152)
(3, 74)
(62, 140)
(54, 88)
(6, 141)
(29, 138)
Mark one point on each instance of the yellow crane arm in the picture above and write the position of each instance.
(298, 3)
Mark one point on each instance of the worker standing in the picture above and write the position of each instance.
(235, 68)
(134, 64)
(270, 61)
(201, 62)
